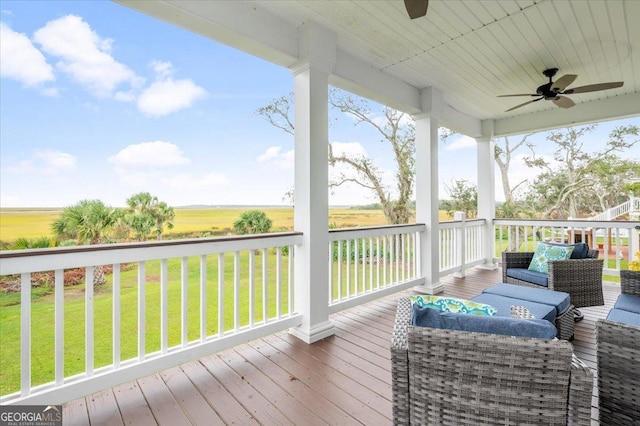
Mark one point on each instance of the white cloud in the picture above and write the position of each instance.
(277, 159)
(162, 69)
(149, 154)
(84, 56)
(168, 96)
(461, 142)
(348, 148)
(44, 163)
(21, 60)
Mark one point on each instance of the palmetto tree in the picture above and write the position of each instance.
(86, 222)
(252, 222)
(146, 214)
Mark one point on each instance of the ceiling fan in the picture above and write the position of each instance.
(416, 8)
(553, 91)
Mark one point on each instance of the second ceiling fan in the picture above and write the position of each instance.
(554, 91)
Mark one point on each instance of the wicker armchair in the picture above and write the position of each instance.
(450, 377)
(618, 349)
(581, 278)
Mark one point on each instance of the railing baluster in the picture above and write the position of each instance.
(377, 262)
(340, 263)
(221, 305)
(141, 311)
(184, 297)
(370, 260)
(59, 326)
(279, 280)
(203, 298)
(331, 281)
(348, 268)
(356, 269)
(265, 293)
(88, 322)
(116, 312)
(164, 306)
(292, 284)
(25, 332)
(252, 280)
(236, 291)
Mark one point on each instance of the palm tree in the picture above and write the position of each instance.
(146, 214)
(252, 222)
(86, 222)
(163, 214)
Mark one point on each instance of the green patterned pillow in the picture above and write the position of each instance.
(546, 252)
(450, 304)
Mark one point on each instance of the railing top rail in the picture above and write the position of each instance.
(5, 254)
(578, 223)
(374, 231)
(36, 260)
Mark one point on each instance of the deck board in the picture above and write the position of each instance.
(278, 380)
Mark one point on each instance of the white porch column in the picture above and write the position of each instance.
(427, 195)
(486, 149)
(311, 196)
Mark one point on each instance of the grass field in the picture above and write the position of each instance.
(33, 223)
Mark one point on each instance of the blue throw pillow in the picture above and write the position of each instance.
(535, 328)
(546, 252)
(580, 250)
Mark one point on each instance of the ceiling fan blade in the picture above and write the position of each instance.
(526, 103)
(563, 102)
(594, 87)
(519, 94)
(563, 82)
(416, 8)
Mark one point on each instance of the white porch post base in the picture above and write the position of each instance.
(433, 288)
(314, 333)
(488, 266)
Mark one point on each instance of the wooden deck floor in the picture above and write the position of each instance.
(279, 380)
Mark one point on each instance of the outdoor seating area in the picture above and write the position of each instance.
(345, 378)
(580, 275)
(451, 376)
(618, 346)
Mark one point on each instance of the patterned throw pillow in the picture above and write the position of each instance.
(450, 304)
(521, 312)
(546, 252)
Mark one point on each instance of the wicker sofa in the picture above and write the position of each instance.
(618, 350)
(581, 278)
(449, 377)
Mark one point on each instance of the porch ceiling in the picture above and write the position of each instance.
(469, 51)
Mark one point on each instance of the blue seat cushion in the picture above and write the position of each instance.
(628, 302)
(503, 306)
(625, 317)
(524, 274)
(428, 317)
(580, 250)
(558, 299)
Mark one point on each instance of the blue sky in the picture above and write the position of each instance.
(100, 101)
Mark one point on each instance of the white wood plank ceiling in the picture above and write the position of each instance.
(469, 50)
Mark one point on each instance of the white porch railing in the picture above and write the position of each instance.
(367, 263)
(632, 205)
(616, 240)
(461, 245)
(249, 276)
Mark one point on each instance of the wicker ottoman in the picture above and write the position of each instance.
(554, 306)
